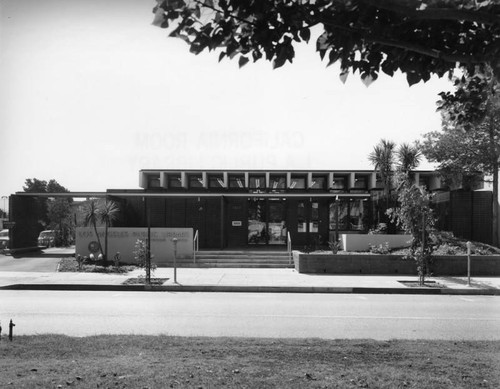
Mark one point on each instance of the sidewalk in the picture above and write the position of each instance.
(248, 280)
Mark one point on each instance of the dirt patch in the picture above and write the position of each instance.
(427, 284)
(70, 264)
(142, 281)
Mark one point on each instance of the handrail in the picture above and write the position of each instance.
(196, 245)
(289, 247)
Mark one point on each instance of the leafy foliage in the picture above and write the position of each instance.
(53, 213)
(469, 142)
(415, 216)
(382, 159)
(416, 37)
(387, 160)
(101, 212)
(408, 157)
(109, 212)
(141, 258)
(382, 248)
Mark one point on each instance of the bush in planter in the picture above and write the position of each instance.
(382, 248)
(334, 246)
(380, 229)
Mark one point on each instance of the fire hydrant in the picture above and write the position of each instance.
(11, 327)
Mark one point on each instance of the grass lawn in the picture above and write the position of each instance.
(51, 361)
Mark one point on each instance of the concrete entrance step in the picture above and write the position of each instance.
(236, 259)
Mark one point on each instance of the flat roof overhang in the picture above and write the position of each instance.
(191, 194)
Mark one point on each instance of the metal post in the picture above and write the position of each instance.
(11, 328)
(148, 249)
(424, 262)
(336, 218)
(468, 262)
(175, 259)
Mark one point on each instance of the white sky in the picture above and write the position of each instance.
(91, 92)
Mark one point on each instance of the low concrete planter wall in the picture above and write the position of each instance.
(443, 265)
(362, 242)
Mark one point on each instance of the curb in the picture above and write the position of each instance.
(254, 289)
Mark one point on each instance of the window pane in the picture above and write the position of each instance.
(277, 182)
(360, 183)
(236, 181)
(174, 181)
(343, 205)
(339, 183)
(298, 183)
(257, 182)
(356, 220)
(301, 217)
(215, 181)
(195, 181)
(154, 183)
(318, 182)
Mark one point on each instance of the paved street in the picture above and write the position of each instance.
(28, 263)
(253, 314)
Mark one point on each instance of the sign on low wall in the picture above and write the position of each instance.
(123, 240)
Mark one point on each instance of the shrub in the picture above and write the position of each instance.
(334, 246)
(382, 248)
(141, 256)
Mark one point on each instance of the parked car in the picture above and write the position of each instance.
(47, 238)
(4, 239)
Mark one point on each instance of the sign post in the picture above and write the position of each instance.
(175, 259)
(468, 263)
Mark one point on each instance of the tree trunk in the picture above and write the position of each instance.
(495, 156)
(106, 245)
(495, 237)
(97, 236)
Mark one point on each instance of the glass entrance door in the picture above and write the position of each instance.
(266, 222)
(257, 231)
(276, 222)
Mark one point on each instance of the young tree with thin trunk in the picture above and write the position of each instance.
(415, 216)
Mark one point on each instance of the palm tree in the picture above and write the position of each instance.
(382, 159)
(108, 213)
(91, 217)
(408, 157)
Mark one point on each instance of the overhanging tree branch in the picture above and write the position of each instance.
(431, 13)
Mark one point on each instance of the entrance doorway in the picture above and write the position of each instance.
(266, 222)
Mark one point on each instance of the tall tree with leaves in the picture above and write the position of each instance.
(59, 213)
(108, 213)
(470, 138)
(54, 212)
(34, 185)
(416, 37)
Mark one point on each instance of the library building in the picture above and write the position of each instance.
(249, 209)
